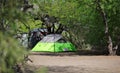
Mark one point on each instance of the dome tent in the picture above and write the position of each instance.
(53, 43)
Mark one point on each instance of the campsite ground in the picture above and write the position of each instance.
(76, 64)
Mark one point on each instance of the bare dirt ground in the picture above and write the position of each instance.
(77, 64)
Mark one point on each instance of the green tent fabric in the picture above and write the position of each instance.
(53, 47)
(53, 43)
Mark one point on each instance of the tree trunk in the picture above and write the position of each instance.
(111, 50)
(115, 49)
(110, 45)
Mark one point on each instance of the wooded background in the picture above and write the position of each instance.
(88, 24)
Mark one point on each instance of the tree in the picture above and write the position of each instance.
(112, 49)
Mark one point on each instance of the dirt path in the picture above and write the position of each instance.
(78, 64)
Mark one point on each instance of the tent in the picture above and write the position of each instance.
(36, 35)
(53, 43)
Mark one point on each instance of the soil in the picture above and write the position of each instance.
(76, 64)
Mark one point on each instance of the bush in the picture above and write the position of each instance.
(10, 53)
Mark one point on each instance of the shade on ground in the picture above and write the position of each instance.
(53, 47)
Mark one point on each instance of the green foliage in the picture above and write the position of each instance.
(96, 34)
(68, 14)
(10, 53)
(83, 20)
(13, 19)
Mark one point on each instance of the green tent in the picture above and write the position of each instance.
(53, 43)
